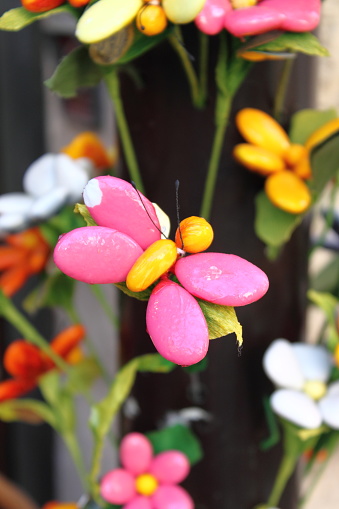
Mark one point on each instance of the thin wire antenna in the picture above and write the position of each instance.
(143, 204)
(140, 13)
(177, 183)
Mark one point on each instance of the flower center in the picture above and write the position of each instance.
(242, 4)
(315, 389)
(146, 484)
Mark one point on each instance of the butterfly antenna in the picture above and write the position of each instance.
(143, 204)
(177, 183)
(140, 13)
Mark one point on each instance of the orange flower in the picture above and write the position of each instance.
(26, 362)
(23, 254)
(87, 144)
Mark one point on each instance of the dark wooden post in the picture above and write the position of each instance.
(173, 141)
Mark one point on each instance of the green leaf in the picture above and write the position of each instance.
(273, 225)
(75, 71)
(324, 163)
(296, 43)
(60, 401)
(26, 410)
(19, 18)
(56, 290)
(327, 279)
(82, 375)
(145, 295)
(143, 43)
(198, 367)
(155, 363)
(62, 222)
(81, 209)
(179, 438)
(221, 320)
(326, 302)
(305, 122)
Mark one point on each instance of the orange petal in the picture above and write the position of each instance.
(87, 144)
(37, 261)
(68, 339)
(29, 239)
(10, 256)
(13, 388)
(24, 360)
(60, 505)
(322, 133)
(303, 168)
(258, 159)
(13, 279)
(288, 192)
(75, 356)
(260, 129)
(294, 154)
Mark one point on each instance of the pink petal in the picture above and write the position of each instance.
(139, 502)
(222, 278)
(293, 15)
(136, 453)
(94, 254)
(176, 324)
(118, 486)
(170, 467)
(212, 17)
(172, 497)
(113, 202)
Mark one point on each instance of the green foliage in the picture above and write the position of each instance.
(324, 163)
(26, 410)
(293, 42)
(81, 209)
(145, 295)
(76, 70)
(221, 320)
(55, 290)
(177, 437)
(273, 225)
(198, 367)
(305, 122)
(17, 19)
(329, 305)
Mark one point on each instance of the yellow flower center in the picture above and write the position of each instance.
(242, 4)
(315, 389)
(146, 484)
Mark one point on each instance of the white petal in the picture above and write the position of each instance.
(49, 204)
(296, 407)
(314, 360)
(329, 408)
(333, 389)
(72, 176)
(87, 165)
(281, 366)
(13, 222)
(40, 176)
(164, 221)
(18, 203)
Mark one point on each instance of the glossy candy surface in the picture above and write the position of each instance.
(178, 11)
(194, 235)
(176, 324)
(222, 278)
(96, 254)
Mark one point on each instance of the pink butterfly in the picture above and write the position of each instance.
(106, 253)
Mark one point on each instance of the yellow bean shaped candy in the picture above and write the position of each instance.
(288, 192)
(153, 263)
(322, 133)
(258, 159)
(194, 235)
(260, 129)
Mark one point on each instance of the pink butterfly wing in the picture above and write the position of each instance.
(114, 203)
(96, 255)
(176, 324)
(222, 278)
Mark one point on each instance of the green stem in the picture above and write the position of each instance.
(203, 66)
(213, 166)
(18, 320)
(97, 291)
(286, 469)
(75, 452)
(282, 89)
(177, 45)
(111, 79)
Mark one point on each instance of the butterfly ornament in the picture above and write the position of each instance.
(127, 246)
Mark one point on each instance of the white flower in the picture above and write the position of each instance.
(49, 183)
(301, 372)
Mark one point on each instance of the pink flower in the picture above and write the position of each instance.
(146, 481)
(266, 15)
(107, 253)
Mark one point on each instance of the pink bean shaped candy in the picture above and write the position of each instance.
(222, 278)
(117, 486)
(96, 255)
(136, 453)
(139, 502)
(176, 324)
(114, 203)
(211, 18)
(169, 497)
(170, 467)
